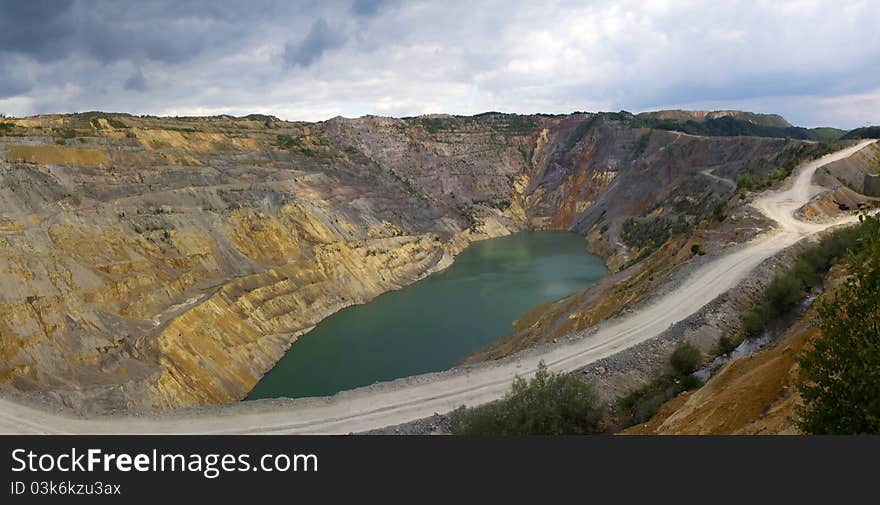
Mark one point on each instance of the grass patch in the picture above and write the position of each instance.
(286, 142)
(65, 133)
(650, 233)
(302, 145)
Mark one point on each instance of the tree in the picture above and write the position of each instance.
(841, 368)
(548, 404)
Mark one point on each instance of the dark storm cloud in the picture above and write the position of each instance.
(174, 44)
(321, 38)
(36, 27)
(165, 31)
(136, 82)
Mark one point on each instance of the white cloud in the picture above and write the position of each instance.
(816, 62)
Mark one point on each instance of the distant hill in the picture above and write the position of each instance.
(721, 123)
(868, 132)
(732, 124)
(260, 117)
(827, 133)
(774, 120)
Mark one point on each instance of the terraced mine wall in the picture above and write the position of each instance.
(165, 262)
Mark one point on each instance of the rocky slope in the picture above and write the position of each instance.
(162, 262)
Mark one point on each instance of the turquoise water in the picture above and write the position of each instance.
(429, 325)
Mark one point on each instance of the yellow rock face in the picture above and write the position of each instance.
(56, 155)
(167, 295)
(196, 142)
(202, 348)
(217, 351)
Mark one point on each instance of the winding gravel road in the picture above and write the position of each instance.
(420, 396)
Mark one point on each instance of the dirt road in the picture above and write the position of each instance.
(416, 397)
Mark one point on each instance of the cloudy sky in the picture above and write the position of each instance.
(815, 62)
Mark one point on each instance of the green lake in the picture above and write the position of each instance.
(429, 325)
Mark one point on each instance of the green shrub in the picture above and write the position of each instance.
(640, 405)
(65, 133)
(646, 406)
(300, 145)
(698, 249)
(651, 233)
(689, 382)
(755, 321)
(548, 404)
(726, 345)
(681, 225)
(437, 124)
(718, 211)
(286, 141)
(785, 292)
(686, 358)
